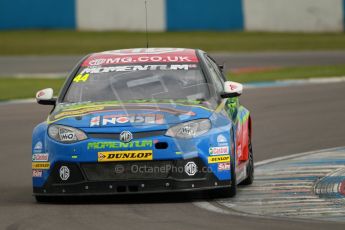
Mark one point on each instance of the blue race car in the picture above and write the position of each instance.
(143, 121)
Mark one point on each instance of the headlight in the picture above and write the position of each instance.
(189, 129)
(66, 134)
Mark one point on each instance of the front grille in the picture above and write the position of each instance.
(115, 136)
(127, 170)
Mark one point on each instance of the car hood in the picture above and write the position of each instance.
(113, 114)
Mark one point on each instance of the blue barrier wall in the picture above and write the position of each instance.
(40, 14)
(204, 15)
(176, 15)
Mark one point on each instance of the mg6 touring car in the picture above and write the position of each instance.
(143, 121)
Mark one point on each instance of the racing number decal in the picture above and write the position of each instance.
(81, 77)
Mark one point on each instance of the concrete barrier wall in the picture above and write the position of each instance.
(294, 15)
(120, 15)
(175, 15)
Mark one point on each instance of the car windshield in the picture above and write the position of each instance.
(133, 82)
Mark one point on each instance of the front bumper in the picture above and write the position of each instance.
(106, 179)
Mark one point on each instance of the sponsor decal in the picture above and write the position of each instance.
(219, 159)
(224, 166)
(38, 147)
(40, 165)
(126, 136)
(135, 155)
(95, 121)
(233, 86)
(187, 130)
(41, 93)
(219, 150)
(114, 119)
(134, 119)
(122, 120)
(67, 136)
(191, 168)
(221, 139)
(140, 59)
(131, 68)
(40, 157)
(37, 173)
(64, 173)
(119, 145)
(135, 56)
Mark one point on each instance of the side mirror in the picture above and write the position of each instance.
(232, 89)
(45, 97)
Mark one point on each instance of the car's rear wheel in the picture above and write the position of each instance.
(250, 168)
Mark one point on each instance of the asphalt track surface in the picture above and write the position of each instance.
(301, 186)
(14, 65)
(286, 120)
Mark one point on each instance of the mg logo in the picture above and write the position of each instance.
(126, 136)
(190, 168)
(64, 173)
(119, 169)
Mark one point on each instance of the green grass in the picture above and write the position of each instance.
(290, 73)
(70, 42)
(11, 88)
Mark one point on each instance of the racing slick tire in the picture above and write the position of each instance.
(250, 168)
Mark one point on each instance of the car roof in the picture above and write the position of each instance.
(141, 56)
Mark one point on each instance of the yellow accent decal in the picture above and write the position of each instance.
(219, 159)
(40, 165)
(137, 103)
(67, 114)
(135, 155)
(220, 106)
(78, 112)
